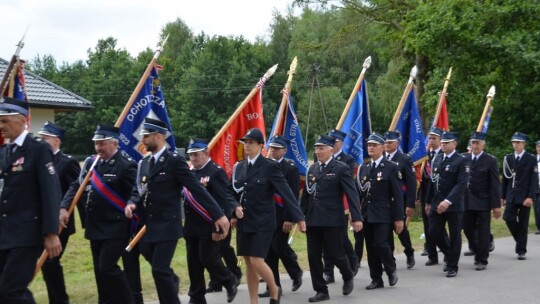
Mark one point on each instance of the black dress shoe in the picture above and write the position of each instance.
(537, 232)
(410, 262)
(320, 296)
(231, 293)
(348, 286)
(451, 273)
(480, 267)
(297, 282)
(213, 288)
(265, 294)
(355, 269)
(424, 253)
(329, 279)
(276, 301)
(469, 253)
(232, 289)
(431, 262)
(491, 246)
(392, 278)
(375, 285)
(445, 268)
(521, 256)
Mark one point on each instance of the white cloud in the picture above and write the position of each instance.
(67, 29)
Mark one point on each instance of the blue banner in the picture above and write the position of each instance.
(409, 124)
(19, 91)
(357, 125)
(487, 119)
(149, 103)
(291, 130)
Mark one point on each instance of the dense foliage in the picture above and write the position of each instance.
(486, 42)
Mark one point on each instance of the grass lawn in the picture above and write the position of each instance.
(79, 274)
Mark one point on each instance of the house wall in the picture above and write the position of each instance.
(38, 117)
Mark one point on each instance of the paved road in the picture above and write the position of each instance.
(506, 280)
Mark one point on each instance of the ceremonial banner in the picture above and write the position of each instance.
(485, 126)
(357, 125)
(290, 129)
(16, 88)
(227, 149)
(149, 103)
(409, 124)
(442, 121)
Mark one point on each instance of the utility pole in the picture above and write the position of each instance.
(315, 83)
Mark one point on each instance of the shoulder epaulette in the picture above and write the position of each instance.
(290, 161)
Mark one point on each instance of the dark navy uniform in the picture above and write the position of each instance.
(280, 249)
(202, 251)
(161, 211)
(520, 181)
(255, 189)
(29, 210)
(107, 228)
(537, 201)
(130, 260)
(322, 203)
(425, 198)
(483, 194)
(382, 205)
(406, 168)
(353, 255)
(450, 177)
(68, 170)
(347, 159)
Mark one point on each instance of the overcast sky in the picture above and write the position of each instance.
(66, 29)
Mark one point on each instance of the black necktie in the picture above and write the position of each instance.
(517, 159)
(389, 157)
(444, 158)
(372, 170)
(474, 159)
(249, 166)
(152, 162)
(322, 166)
(10, 149)
(431, 154)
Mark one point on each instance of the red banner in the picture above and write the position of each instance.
(442, 122)
(227, 149)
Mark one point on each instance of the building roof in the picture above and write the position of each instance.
(45, 94)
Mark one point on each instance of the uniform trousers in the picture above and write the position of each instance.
(378, 250)
(132, 270)
(231, 261)
(330, 240)
(517, 220)
(349, 251)
(17, 267)
(431, 248)
(451, 248)
(279, 250)
(359, 245)
(203, 253)
(53, 275)
(111, 281)
(476, 226)
(160, 255)
(404, 238)
(537, 212)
